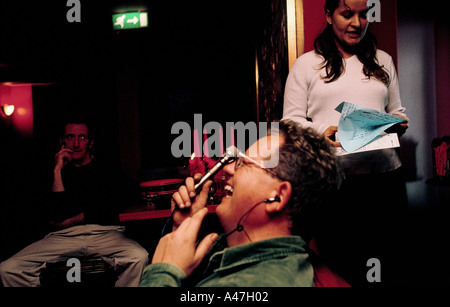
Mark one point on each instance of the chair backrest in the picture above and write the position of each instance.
(323, 275)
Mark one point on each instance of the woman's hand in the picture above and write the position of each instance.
(330, 135)
(401, 128)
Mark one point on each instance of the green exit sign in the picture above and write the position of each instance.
(130, 20)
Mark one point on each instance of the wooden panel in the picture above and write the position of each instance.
(273, 65)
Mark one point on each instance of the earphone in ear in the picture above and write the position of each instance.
(273, 199)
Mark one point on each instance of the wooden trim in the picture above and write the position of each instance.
(300, 27)
(295, 29)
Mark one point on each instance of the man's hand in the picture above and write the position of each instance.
(179, 247)
(187, 200)
(330, 134)
(63, 157)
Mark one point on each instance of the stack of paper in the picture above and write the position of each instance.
(359, 126)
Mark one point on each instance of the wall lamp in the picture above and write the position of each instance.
(8, 110)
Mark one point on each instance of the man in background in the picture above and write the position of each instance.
(82, 208)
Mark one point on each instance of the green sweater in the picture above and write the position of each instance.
(277, 262)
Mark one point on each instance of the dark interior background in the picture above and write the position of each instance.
(194, 57)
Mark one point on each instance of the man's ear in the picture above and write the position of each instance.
(91, 143)
(284, 192)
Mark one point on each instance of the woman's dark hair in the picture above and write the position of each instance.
(366, 52)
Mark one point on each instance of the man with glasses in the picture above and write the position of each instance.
(82, 208)
(267, 216)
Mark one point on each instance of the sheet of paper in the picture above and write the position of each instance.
(358, 126)
(380, 142)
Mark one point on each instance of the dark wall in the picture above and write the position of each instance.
(195, 57)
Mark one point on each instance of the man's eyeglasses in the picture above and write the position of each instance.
(243, 159)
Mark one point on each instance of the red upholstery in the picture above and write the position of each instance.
(323, 275)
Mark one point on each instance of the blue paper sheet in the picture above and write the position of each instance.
(358, 126)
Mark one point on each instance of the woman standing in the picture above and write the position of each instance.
(347, 66)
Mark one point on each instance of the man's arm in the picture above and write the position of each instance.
(69, 222)
(164, 272)
(58, 185)
(162, 275)
(63, 157)
(177, 253)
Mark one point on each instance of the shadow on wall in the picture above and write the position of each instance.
(407, 152)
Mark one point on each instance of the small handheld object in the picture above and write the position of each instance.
(229, 156)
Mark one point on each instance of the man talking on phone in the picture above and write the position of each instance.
(82, 208)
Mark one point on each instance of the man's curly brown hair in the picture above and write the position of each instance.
(309, 163)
